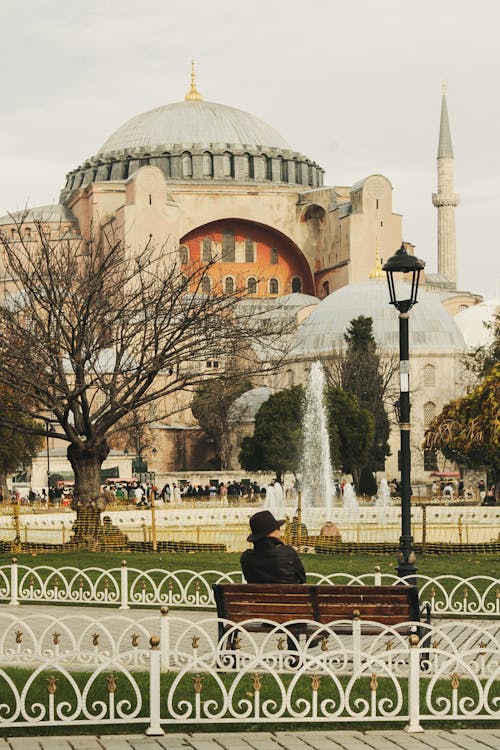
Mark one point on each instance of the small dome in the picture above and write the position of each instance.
(244, 408)
(297, 299)
(431, 327)
(472, 323)
(53, 213)
(193, 122)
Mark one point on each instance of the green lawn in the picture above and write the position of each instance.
(463, 565)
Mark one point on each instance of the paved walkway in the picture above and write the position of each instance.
(438, 739)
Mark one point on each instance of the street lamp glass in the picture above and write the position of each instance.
(405, 263)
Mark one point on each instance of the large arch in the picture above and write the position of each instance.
(276, 255)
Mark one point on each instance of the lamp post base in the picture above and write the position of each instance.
(406, 559)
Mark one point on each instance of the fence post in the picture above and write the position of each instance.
(424, 528)
(124, 586)
(152, 497)
(154, 728)
(164, 639)
(356, 641)
(14, 582)
(414, 687)
(377, 578)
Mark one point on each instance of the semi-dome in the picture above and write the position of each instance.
(431, 327)
(193, 124)
(476, 323)
(246, 406)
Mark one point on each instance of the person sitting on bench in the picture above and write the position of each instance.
(270, 560)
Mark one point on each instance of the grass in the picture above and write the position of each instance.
(463, 565)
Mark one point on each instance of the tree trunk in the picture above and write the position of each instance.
(88, 501)
(4, 490)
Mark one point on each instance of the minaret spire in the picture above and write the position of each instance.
(446, 200)
(193, 95)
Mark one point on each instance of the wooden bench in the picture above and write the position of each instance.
(389, 606)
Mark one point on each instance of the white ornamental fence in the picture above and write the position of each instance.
(124, 587)
(450, 673)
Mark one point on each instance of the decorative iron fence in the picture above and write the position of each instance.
(451, 674)
(475, 596)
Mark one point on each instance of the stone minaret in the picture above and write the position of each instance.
(446, 200)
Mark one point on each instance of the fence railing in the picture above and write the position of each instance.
(447, 675)
(124, 587)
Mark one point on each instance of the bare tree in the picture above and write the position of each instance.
(90, 333)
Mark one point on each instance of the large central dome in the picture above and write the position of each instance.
(193, 123)
(199, 141)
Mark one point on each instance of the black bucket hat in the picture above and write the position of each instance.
(262, 523)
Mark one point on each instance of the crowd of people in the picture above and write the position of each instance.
(143, 494)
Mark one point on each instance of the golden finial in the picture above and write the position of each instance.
(193, 95)
(443, 87)
(377, 272)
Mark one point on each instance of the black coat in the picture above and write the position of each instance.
(271, 561)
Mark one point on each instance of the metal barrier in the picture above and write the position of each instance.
(451, 674)
(226, 527)
(448, 595)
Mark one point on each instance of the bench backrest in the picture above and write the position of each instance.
(388, 605)
(276, 602)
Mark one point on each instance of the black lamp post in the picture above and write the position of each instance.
(404, 263)
(49, 429)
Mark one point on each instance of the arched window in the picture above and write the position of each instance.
(227, 165)
(274, 256)
(283, 170)
(296, 284)
(274, 286)
(289, 379)
(208, 165)
(229, 285)
(252, 285)
(187, 165)
(269, 168)
(429, 376)
(206, 250)
(298, 172)
(429, 413)
(249, 251)
(205, 285)
(184, 255)
(27, 233)
(228, 246)
(247, 166)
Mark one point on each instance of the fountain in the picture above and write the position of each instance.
(275, 499)
(350, 499)
(383, 494)
(383, 500)
(318, 487)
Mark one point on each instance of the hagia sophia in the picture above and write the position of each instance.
(220, 182)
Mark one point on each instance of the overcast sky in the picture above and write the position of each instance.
(356, 86)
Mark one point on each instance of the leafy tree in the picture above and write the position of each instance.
(210, 407)
(362, 376)
(483, 358)
(367, 483)
(92, 331)
(276, 444)
(351, 429)
(468, 429)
